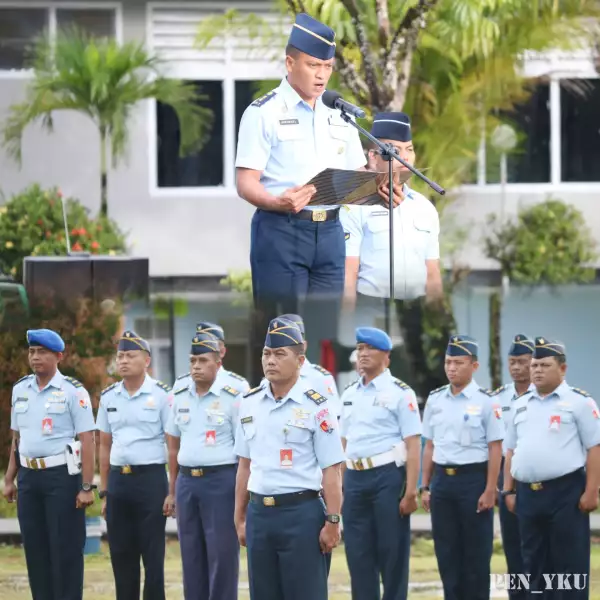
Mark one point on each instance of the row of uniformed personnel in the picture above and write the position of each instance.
(288, 444)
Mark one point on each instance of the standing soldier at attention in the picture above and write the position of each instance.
(464, 431)
(54, 473)
(131, 419)
(224, 376)
(381, 433)
(288, 444)
(552, 474)
(202, 470)
(519, 367)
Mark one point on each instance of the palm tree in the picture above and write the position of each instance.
(105, 81)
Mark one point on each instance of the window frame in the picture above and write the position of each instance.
(52, 7)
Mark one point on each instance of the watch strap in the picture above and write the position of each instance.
(424, 488)
(102, 494)
(333, 519)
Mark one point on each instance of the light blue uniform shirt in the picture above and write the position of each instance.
(289, 142)
(462, 426)
(550, 436)
(416, 240)
(49, 419)
(288, 442)
(136, 423)
(505, 396)
(224, 378)
(377, 416)
(206, 425)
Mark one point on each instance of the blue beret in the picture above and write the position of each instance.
(462, 345)
(47, 338)
(312, 37)
(212, 329)
(294, 319)
(545, 348)
(283, 333)
(521, 345)
(374, 337)
(392, 126)
(205, 342)
(132, 341)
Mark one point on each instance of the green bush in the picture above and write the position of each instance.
(31, 224)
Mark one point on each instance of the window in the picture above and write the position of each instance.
(199, 170)
(530, 162)
(19, 28)
(580, 130)
(245, 93)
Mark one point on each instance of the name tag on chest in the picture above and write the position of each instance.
(289, 122)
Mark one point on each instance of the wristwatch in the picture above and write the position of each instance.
(505, 493)
(424, 488)
(102, 494)
(335, 519)
(88, 487)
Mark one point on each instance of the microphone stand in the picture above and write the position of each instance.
(389, 154)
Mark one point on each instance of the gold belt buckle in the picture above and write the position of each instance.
(32, 463)
(319, 215)
(359, 464)
(269, 501)
(126, 470)
(450, 471)
(536, 487)
(196, 472)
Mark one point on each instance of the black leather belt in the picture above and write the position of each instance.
(462, 469)
(202, 471)
(284, 499)
(136, 469)
(538, 486)
(317, 216)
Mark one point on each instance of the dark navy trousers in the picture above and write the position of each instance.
(53, 532)
(511, 540)
(376, 536)
(136, 528)
(463, 538)
(555, 535)
(210, 552)
(285, 561)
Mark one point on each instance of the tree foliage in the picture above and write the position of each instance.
(105, 81)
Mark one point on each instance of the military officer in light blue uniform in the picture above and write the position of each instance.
(464, 431)
(381, 432)
(519, 367)
(131, 419)
(202, 466)
(48, 411)
(552, 469)
(289, 447)
(224, 376)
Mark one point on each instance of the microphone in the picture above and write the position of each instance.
(335, 100)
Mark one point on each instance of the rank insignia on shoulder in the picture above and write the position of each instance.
(163, 386)
(315, 397)
(322, 370)
(236, 376)
(401, 384)
(580, 392)
(347, 403)
(264, 99)
(438, 390)
(74, 382)
(183, 389)
(110, 387)
(231, 390)
(183, 376)
(23, 379)
(486, 392)
(246, 420)
(499, 390)
(254, 391)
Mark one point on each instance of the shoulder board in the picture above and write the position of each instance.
(315, 397)
(236, 376)
(231, 390)
(322, 370)
(352, 383)
(107, 389)
(163, 386)
(183, 389)
(264, 99)
(23, 378)
(254, 391)
(401, 384)
(74, 382)
(499, 390)
(580, 392)
(486, 392)
(183, 376)
(438, 390)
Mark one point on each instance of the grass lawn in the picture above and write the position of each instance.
(99, 582)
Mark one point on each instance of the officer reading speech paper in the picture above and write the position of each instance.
(287, 137)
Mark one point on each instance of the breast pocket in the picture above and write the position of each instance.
(21, 409)
(566, 417)
(183, 420)
(249, 430)
(113, 417)
(292, 142)
(421, 231)
(338, 136)
(438, 426)
(298, 435)
(56, 408)
(149, 415)
(378, 228)
(475, 424)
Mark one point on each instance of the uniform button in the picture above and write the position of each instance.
(340, 149)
